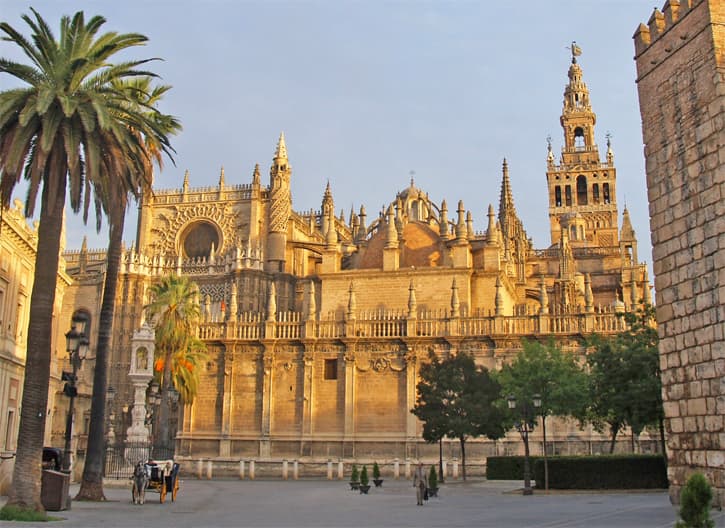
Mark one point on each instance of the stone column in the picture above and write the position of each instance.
(349, 433)
(411, 374)
(307, 392)
(267, 362)
(225, 442)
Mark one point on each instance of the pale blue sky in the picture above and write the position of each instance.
(367, 92)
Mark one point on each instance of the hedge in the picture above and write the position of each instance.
(508, 467)
(603, 472)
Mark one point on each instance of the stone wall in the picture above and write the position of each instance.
(680, 58)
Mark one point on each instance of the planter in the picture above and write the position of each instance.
(364, 488)
(432, 492)
(354, 484)
(378, 482)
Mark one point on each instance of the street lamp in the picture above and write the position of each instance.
(77, 347)
(525, 426)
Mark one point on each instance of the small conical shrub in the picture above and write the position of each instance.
(376, 471)
(695, 501)
(364, 476)
(354, 475)
(432, 478)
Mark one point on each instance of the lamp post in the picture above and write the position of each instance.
(77, 347)
(525, 426)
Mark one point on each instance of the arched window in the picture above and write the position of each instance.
(567, 194)
(581, 190)
(579, 137)
(573, 232)
(595, 193)
(557, 196)
(605, 192)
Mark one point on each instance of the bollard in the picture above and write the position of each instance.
(251, 470)
(396, 469)
(444, 470)
(241, 469)
(209, 469)
(199, 469)
(455, 468)
(407, 468)
(284, 470)
(329, 469)
(339, 470)
(295, 470)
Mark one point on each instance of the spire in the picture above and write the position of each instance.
(221, 178)
(610, 152)
(256, 178)
(627, 232)
(185, 185)
(331, 235)
(461, 223)
(469, 225)
(272, 302)
(83, 257)
(351, 303)
(491, 232)
(550, 153)
(281, 152)
(506, 201)
(391, 238)
(444, 220)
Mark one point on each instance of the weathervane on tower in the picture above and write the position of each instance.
(575, 51)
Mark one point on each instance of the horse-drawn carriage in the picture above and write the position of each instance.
(162, 477)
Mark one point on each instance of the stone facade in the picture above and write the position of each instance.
(18, 243)
(316, 323)
(680, 58)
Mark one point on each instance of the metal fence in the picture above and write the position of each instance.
(121, 458)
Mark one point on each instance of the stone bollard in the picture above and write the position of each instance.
(295, 470)
(340, 468)
(199, 469)
(329, 470)
(407, 468)
(284, 470)
(209, 465)
(396, 469)
(241, 469)
(444, 469)
(251, 470)
(455, 468)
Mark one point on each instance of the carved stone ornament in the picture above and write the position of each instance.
(380, 363)
(176, 222)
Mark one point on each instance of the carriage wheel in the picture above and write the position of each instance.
(162, 491)
(175, 489)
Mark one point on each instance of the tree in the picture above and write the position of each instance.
(625, 386)
(175, 312)
(458, 399)
(114, 201)
(66, 128)
(553, 375)
(185, 368)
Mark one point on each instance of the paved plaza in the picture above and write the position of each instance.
(315, 503)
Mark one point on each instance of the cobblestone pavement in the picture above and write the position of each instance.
(315, 503)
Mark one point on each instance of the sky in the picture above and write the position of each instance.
(372, 93)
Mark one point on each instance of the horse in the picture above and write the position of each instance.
(140, 481)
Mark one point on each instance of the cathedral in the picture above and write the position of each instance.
(316, 324)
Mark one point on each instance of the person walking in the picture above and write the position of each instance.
(420, 483)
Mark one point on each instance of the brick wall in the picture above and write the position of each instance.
(680, 58)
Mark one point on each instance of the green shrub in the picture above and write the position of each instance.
(508, 467)
(433, 478)
(695, 501)
(603, 472)
(364, 476)
(354, 475)
(376, 471)
(14, 513)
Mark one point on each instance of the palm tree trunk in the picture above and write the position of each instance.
(161, 431)
(25, 489)
(463, 455)
(92, 483)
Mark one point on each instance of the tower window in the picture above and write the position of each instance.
(579, 137)
(567, 195)
(595, 193)
(581, 190)
(557, 196)
(605, 192)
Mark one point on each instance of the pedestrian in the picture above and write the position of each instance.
(420, 483)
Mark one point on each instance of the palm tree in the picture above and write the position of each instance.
(175, 311)
(68, 128)
(114, 202)
(185, 369)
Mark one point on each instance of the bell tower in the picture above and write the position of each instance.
(582, 193)
(280, 207)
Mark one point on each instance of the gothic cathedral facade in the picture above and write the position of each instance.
(316, 324)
